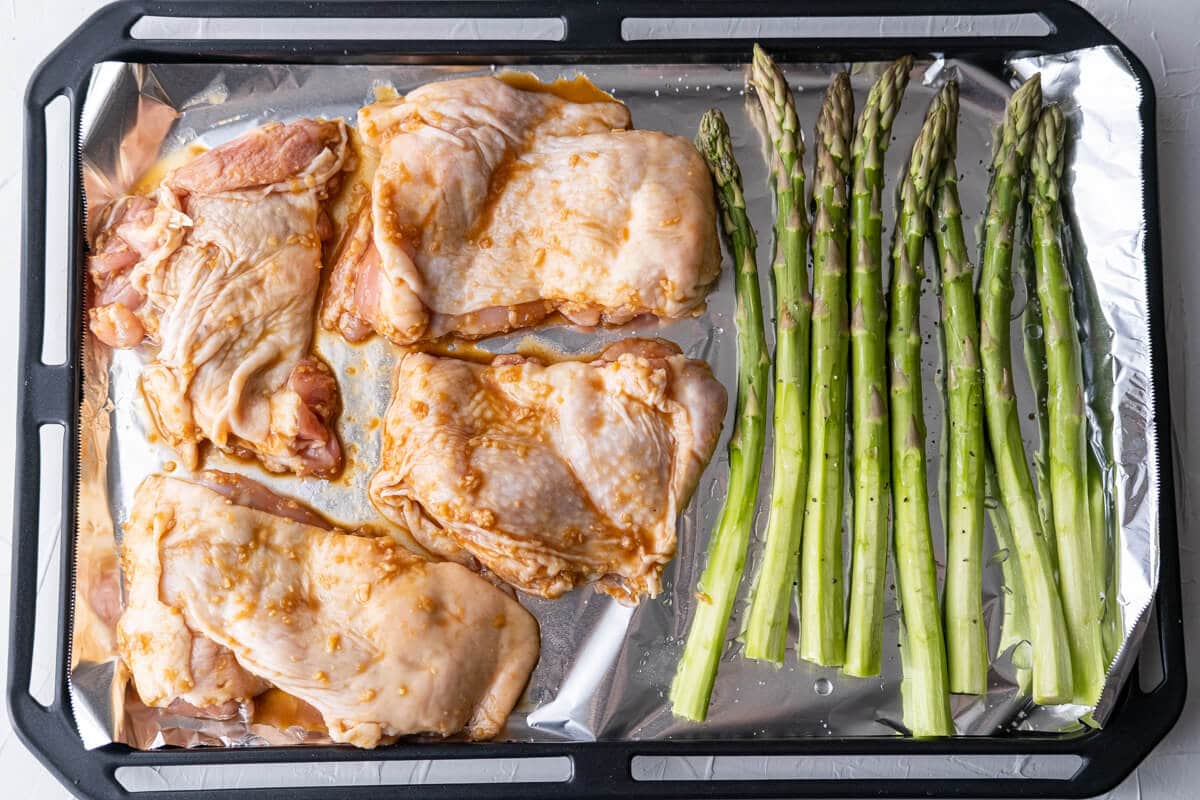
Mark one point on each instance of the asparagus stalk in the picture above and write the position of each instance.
(1034, 345)
(822, 603)
(926, 686)
(1014, 631)
(868, 365)
(1014, 620)
(1052, 681)
(766, 626)
(718, 583)
(966, 636)
(1078, 570)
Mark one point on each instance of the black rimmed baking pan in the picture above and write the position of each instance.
(591, 32)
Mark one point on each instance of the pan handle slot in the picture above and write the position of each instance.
(866, 768)
(51, 441)
(413, 773)
(636, 29)
(543, 29)
(57, 221)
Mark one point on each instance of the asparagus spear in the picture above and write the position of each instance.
(766, 626)
(925, 688)
(1014, 627)
(822, 604)
(1078, 578)
(966, 636)
(868, 364)
(718, 583)
(1047, 629)
(1035, 363)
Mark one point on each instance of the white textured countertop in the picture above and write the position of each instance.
(1164, 33)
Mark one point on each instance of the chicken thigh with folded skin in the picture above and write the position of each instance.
(225, 598)
(550, 476)
(493, 207)
(219, 271)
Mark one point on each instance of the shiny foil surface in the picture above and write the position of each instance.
(605, 669)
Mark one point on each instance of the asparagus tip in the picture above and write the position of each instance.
(891, 86)
(1046, 162)
(1022, 115)
(928, 152)
(949, 95)
(778, 106)
(835, 121)
(883, 103)
(714, 143)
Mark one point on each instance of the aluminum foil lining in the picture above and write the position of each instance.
(605, 669)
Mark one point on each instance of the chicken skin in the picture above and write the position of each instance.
(552, 475)
(493, 207)
(231, 589)
(218, 271)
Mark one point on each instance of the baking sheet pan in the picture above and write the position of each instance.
(605, 669)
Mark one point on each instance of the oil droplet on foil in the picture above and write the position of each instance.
(823, 686)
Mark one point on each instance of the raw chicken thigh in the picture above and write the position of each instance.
(218, 271)
(551, 476)
(231, 588)
(493, 207)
